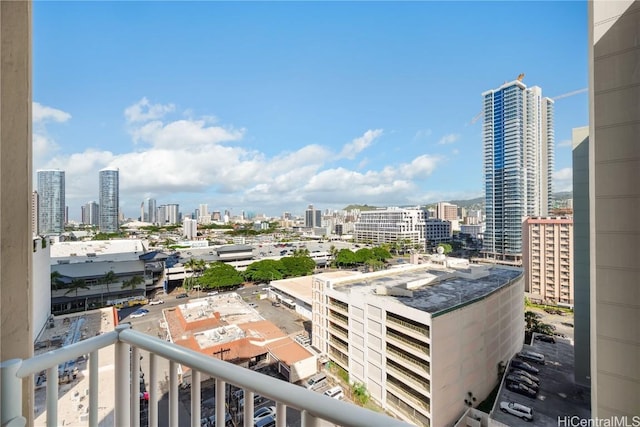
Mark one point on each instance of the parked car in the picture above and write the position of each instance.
(531, 356)
(545, 338)
(524, 380)
(263, 412)
(138, 313)
(156, 302)
(335, 392)
(517, 409)
(212, 293)
(180, 296)
(269, 421)
(520, 364)
(521, 389)
(525, 374)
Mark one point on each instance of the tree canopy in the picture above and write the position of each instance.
(264, 270)
(220, 275)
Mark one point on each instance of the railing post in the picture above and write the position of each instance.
(135, 387)
(153, 390)
(173, 393)
(195, 398)
(221, 392)
(123, 377)
(11, 394)
(281, 414)
(248, 406)
(308, 420)
(52, 396)
(94, 387)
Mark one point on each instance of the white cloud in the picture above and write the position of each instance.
(563, 180)
(565, 143)
(144, 110)
(350, 150)
(182, 133)
(41, 113)
(455, 151)
(422, 134)
(449, 138)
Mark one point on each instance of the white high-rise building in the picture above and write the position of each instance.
(518, 139)
(190, 228)
(90, 214)
(391, 225)
(51, 201)
(109, 200)
(153, 211)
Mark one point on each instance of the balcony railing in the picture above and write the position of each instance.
(127, 344)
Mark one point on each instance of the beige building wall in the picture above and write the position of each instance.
(547, 245)
(16, 241)
(467, 345)
(614, 182)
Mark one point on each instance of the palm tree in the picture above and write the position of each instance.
(133, 282)
(76, 285)
(56, 280)
(108, 278)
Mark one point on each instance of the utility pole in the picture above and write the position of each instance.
(221, 352)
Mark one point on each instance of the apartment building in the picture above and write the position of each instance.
(424, 339)
(548, 259)
(437, 231)
(446, 211)
(391, 225)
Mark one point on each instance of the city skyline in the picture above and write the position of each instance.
(258, 107)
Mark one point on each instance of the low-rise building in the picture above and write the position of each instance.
(423, 339)
(226, 327)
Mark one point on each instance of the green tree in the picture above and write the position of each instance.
(76, 285)
(531, 320)
(381, 253)
(296, 266)
(362, 255)
(56, 280)
(301, 252)
(108, 279)
(346, 257)
(374, 265)
(446, 247)
(133, 282)
(360, 393)
(264, 270)
(220, 275)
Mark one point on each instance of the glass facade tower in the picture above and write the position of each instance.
(109, 200)
(51, 201)
(518, 140)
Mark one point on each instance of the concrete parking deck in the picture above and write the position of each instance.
(559, 395)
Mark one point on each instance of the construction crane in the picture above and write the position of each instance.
(555, 98)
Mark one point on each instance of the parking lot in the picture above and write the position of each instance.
(558, 394)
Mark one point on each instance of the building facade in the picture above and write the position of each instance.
(420, 338)
(518, 138)
(391, 225)
(153, 211)
(91, 213)
(109, 189)
(189, 228)
(437, 231)
(548, 259)
(446, 211)
(51, 201)
(312, 217)
(614, 175)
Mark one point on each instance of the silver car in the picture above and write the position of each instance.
(517, 409)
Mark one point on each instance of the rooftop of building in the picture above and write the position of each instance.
(225, 324)
(432, 287)
(300, 287)
(112, 250)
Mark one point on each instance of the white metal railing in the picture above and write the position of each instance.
(127, 344)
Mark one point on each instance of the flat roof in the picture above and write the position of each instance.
(113, 250)
(433, 289)
(300, 287)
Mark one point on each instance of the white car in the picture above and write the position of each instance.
(335, 392)
(137, 313)
(156, 302)
(517, 409)
(212, 293)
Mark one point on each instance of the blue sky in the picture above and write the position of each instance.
(270, 106)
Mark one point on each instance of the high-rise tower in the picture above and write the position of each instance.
(51, 202)
(518, 139)
(109, 200)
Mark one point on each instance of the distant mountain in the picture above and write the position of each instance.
(361, 207)
(477, 203)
